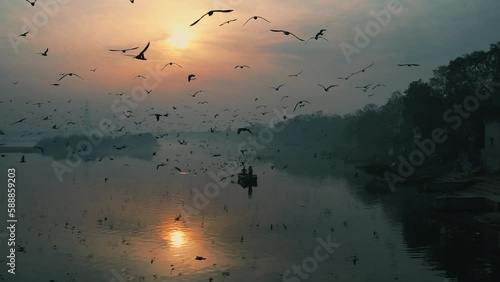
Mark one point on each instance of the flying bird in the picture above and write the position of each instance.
(170, 64)
(63, 75)
(244, 129)
(191, 77)
(197, 92)
(44, 53)
(24, 34)
(314, 37)
(363, 70)
(277, 88)
(210, 13)
(300, 103)
(295, 75)
(285, 32)
(379, 85)
(123, 50)
(229, 21)
(140, 56)
(32, 3)
(255, 18)
(328, 88)
(241, 66)
(345, 78)
(408, 65)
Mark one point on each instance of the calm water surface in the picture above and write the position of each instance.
(125, 229)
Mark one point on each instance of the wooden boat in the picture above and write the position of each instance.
(247, 179)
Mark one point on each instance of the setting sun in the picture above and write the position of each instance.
(179, 38)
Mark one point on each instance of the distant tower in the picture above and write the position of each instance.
(86, 122)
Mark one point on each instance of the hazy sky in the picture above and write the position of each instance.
(79, 34)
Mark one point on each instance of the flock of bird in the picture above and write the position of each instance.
(173, 112)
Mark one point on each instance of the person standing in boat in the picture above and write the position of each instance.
(250, 170)
(243, 170)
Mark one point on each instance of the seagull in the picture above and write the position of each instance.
(228, 22)
(379, 85)
(320, 34)
(408, 65)
(277, 88)
(244, 129)
(32, 3)
(24, 34)
(314, 37)
(140, 76)
(345, 78)
(94, 70)
(162, 164)
(63, 75)
(328, 88)
(170, 64)
(292, 75)
(44, 53)
(365, 86)
(300, 103)
(363, 70)
(140, 56)
(255, 18)
(286, 33)
(210, 13)
(241, 66)
(194, 95)
(123, 50)
(191, 77)
(15, 83)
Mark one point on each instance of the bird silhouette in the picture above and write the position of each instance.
(300, 103)
(328, 88)
(44, 53)
(229, 21)
(408, 65)
(123, 50)
(255, 18)
(241, 66)
(196, 93)
(140, 56)
(363, 70)
(191, 77)
(285, 32)
(277, 88)
(63, 75)
(170, 64)
(295, 75)
(210, 13)
(31, 3)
